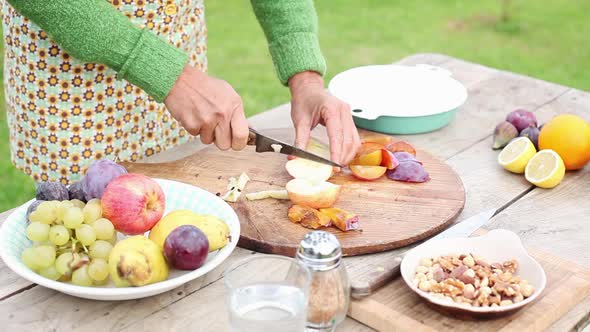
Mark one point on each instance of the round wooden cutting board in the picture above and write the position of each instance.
(392, 214)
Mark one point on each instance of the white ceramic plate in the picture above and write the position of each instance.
(179, 195)
(398, 91)
(496, 246)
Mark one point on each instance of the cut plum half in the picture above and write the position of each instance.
(388, 159)
(369, 154)
(313, 194)
(309, 170)
(367, 173)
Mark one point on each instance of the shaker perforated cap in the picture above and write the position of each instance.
(320, 250)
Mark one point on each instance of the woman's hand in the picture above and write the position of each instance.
(208, 107)
(312, 104)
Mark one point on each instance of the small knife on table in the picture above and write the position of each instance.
(365, 285)
(267, 144)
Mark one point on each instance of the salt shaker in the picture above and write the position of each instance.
(329, 293)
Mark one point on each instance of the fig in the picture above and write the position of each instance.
(98, 176)
(403, 156)
(533, 134)
(32, 207)
(343, 220)
(409, 172)
(52, 191)
(76, 192)
(186, 248)
(503, 133)
(308, 217)
(521, 119)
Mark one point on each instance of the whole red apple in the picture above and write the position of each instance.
(134, 203)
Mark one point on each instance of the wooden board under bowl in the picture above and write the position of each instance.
(392, 214)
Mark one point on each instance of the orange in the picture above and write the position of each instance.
(569, 136)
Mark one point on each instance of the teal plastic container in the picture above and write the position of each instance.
(395, 99)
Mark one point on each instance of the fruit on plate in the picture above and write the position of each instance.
(409, 171)
(533, 134)
(76, 191)
(343, 220)
(369, 154)
(545, 169)
(515, 156)
(134, 203)
(217, 231)
(300, 168)
(521, 119)
(401, 146)
(388, 159)
(312, 194)
(503, 134)
(379, 139)
(186, 248)
(569, 136)
(368, 173)
(98, 176)
(308, 217)
(32, 207)
(52, 191)
(137, 261)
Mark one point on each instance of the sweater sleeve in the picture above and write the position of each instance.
(94, 31)
(291, 29)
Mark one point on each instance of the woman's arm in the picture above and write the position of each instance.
(291, 28)
(94, 31)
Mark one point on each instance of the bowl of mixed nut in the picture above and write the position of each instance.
(485, 276)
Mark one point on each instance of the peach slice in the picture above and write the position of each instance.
(388, 160)
(369, 159)
(368, 173)
(343, 220)
(308, 217)
(310, 170)
(401, 146)
(313, 194)
(379, 139)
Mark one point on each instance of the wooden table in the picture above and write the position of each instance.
(556, 220)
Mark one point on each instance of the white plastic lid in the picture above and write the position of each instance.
(396, 90)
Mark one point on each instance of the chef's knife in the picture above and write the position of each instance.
(267, 144)
(367, 284)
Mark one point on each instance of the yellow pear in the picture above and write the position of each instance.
(137, 261)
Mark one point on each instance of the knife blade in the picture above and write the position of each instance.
(365, 286)
(267, 144)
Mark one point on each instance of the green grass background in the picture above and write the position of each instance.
(545, 39)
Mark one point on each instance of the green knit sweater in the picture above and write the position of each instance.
(94, 31)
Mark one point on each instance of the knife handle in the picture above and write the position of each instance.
(251, 137)
(377, 278)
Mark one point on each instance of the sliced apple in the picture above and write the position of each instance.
(313, 194)
(308, 217)
(300, 168)
(388, 160)
(379, 139)
(368, 173)
(401, 146)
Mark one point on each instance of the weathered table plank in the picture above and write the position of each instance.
(464, 144)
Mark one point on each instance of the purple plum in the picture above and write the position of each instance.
(186, 247)
(76, 192)
(98, 176)
(52, 191)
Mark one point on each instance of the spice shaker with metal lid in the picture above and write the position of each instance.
(329, 293)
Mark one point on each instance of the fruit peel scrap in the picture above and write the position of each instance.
(276, 194)
(235, 188)
(343, 220)
(308, 217)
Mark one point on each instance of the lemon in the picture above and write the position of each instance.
(515, 156)
(546, 169)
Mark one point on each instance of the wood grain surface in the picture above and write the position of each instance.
(396, 307)
(392, 213)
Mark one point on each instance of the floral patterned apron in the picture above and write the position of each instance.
(63, 113)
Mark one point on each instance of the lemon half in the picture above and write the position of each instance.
(546, 169)
(516, 155)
